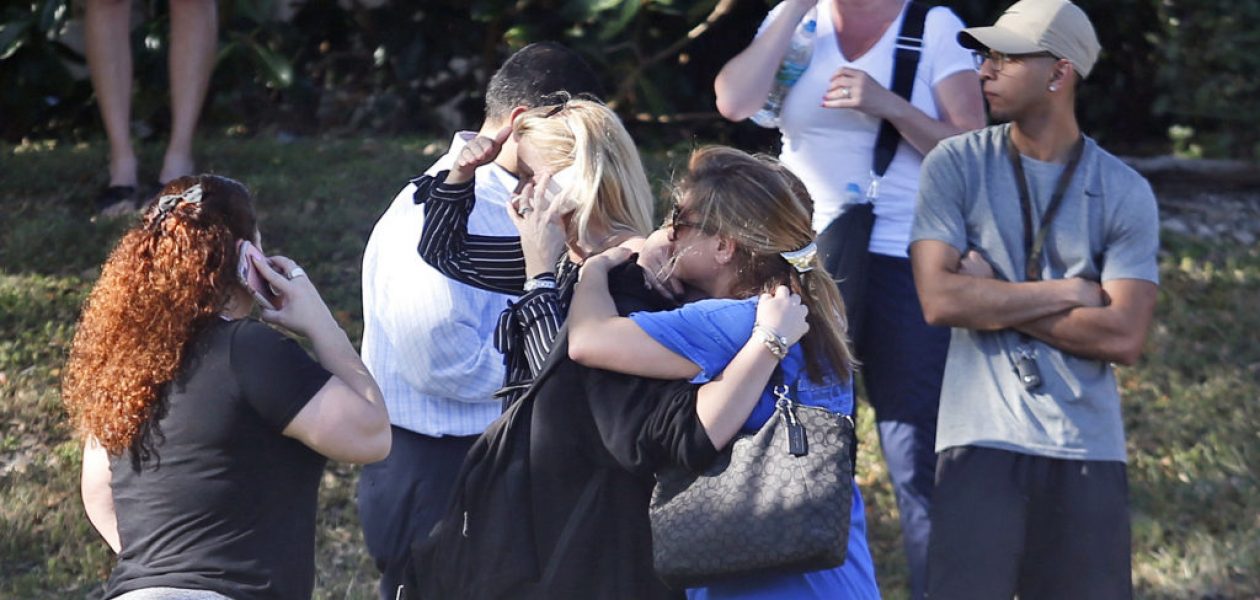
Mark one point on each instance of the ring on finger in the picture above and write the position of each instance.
(846, 93)
(524, 210)
(296, 272)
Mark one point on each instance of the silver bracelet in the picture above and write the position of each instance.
(547, 282)
(775, 343)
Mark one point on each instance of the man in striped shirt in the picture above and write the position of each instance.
(428, 340)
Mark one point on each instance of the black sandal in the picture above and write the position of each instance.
(116, 200)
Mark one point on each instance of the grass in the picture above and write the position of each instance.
(1192, 405)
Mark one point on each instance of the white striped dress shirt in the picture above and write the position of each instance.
(527, 331)
(427, 339)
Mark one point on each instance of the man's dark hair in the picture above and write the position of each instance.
(534, 74)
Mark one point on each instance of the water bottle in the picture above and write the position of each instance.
(852, 195)
(794, 64)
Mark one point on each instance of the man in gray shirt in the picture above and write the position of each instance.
(1039, 248)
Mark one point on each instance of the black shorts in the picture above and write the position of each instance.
(1005, 523)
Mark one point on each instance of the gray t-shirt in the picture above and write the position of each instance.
(1107, 228)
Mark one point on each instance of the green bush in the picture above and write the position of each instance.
(35, 83)
(420, 67)
(1209, 57)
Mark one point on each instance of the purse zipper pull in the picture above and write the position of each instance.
(798, 445)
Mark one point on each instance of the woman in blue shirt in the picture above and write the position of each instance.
(740, 227)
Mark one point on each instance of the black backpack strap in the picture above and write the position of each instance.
(905, 63)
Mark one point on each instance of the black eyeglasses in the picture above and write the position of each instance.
(998, 60)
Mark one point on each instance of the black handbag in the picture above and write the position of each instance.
(777, 501)
(845, 240)
(843, 245)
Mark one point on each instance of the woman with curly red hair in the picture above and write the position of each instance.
(206, 432)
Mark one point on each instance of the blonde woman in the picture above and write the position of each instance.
(582, 190)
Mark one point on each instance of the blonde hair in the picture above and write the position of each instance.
(610, 190)
(761, 206)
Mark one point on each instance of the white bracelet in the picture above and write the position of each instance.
(548, 283)
(775, 343)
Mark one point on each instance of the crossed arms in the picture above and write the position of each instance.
(1105, 322)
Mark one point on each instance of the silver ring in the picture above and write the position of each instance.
(524, 210)
(296, 272)
(846, 93)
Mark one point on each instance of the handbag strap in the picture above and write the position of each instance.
(905, 63)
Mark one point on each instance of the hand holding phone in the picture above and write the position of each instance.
(248, 275)
(557, 184)
(299, 308)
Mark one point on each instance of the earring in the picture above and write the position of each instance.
(1054, 88)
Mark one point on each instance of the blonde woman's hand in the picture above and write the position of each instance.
(539, 219)
(606, 260)
(299, 308)
(784, 314)
(633, 243)
(481, 150)
(656, 258)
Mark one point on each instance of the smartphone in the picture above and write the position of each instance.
(249, 276)
(559, 182)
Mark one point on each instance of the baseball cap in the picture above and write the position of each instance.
(1055, 26)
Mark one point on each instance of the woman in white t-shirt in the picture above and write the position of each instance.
(829, 121)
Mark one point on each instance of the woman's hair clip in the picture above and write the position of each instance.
(167, 202)
(802, 260)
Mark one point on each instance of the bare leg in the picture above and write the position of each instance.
(194, 38)
(108, 36)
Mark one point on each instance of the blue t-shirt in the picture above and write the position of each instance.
(710, 333)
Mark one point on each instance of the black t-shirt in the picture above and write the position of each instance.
(229, 503)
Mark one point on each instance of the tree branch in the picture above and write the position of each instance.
(721, 9)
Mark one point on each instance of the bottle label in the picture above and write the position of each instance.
(790, 73)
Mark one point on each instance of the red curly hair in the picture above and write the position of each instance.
(168, 277)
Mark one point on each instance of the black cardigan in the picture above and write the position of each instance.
(567, 516)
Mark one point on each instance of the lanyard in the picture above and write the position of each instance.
(1034, 243)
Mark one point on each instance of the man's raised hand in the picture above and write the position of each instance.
(481, 150)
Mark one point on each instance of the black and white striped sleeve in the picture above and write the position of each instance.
(538, 319)
(493, 263)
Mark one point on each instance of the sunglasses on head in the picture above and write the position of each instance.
(563, 98)
(678, 224)
(555, 110)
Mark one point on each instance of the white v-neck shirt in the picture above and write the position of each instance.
(829, 148)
